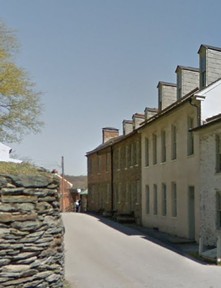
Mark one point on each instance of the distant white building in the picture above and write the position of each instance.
(5, 154)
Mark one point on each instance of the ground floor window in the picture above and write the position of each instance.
(174, 199)
(155, 202)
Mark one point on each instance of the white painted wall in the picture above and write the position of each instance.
(211, 105)
(183, 171)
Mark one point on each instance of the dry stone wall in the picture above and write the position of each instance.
(31, 232)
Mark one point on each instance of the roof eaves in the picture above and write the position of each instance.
(209, 47)
(169, 108)
(166, 84)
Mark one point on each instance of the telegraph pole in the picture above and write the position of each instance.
(62, 184)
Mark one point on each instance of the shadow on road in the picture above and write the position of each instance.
(181, 246)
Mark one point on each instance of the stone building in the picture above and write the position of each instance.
(114, 171)
(127, 171)
(100, 173)
(170, 198)
(168, 175)
(172, 185)
(210, 180)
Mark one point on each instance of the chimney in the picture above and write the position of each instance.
(210, 65)
(150, 112)
(166, 94)
(127, 126)
(187, 80)
(137, 119)
(109, 133)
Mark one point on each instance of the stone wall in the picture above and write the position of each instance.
(31, 232)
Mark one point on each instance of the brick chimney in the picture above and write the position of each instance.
(187, 80)
(109, 133)
(137, 119)
(150, 112)
(210, 65)
(166, 94)
(127, 126)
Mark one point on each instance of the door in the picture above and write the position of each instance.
(191, 212)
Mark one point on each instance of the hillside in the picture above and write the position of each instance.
(77, 181)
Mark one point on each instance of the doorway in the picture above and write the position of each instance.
(191, 212)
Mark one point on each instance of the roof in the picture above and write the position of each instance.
(209, 47)
(115, 140)
(66, 181)
(209, 122)
(139, 115)
(166, 84)
(169, 108)
(187, 68)
(107, 144)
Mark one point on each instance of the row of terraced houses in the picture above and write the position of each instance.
(165, 169)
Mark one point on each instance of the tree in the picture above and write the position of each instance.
(20, 106)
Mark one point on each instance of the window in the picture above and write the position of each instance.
(163, 146)
(132, 154)
(90, 166)
(218, 153)
(146, 152)
(107, 193)
(138, 192)
(154, 138)
(99, 163)
(137, 152)
(164, 199)
(173, 142)
(118, 158)
(190, 142)
(127, 195)
(218, 209)
(129, 155)
(107, 162)
(155, 202)
(147, 199)
(174, 199)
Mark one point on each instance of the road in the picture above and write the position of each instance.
(100, 253)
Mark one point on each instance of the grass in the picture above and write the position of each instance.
(20, 168)
(67, 284)
(203, 259)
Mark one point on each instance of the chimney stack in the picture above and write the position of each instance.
(187, 80)
(137, 119)
(210, 65)
(109, 133)
(150, 112)
(166, 94)
(127, 126)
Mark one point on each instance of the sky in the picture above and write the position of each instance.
(97, 62)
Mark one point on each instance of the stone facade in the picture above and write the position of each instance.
(114, 175)
(100, 180)
(127, 176)
(209, 189)
(31, 232)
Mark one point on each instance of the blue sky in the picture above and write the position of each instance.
(98, 62)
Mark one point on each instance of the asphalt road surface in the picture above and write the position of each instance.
(100, 253)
